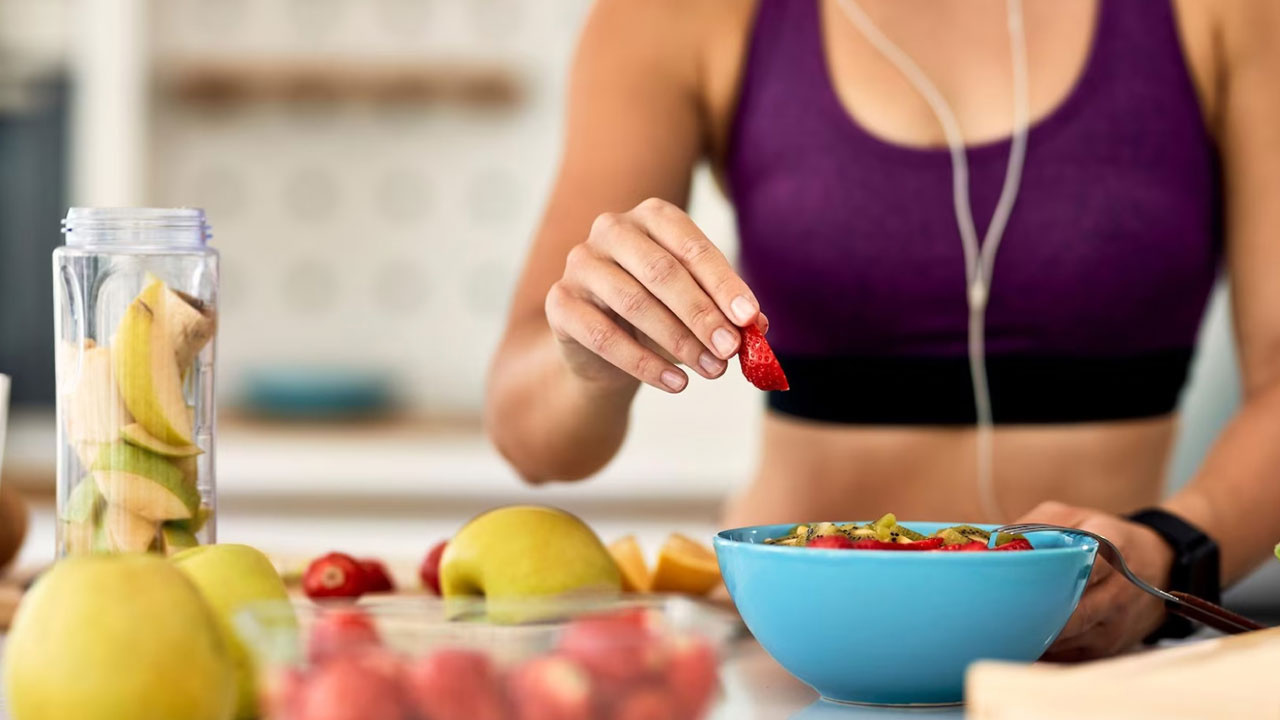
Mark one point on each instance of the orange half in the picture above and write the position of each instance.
(630, 560)
(685, 566)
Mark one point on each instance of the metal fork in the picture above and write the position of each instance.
(1179, 603)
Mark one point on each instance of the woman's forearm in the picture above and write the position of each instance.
(549, 423)
(1236, 495)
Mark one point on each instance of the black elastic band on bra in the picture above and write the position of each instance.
(938, 391)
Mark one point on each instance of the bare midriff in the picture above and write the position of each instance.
(813, 472)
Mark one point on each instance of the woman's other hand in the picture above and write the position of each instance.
(1113, 615)
(644, 292)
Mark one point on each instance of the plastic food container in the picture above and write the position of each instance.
(420, 658)
(135, 314)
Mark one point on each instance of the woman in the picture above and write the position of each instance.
(1154, 126)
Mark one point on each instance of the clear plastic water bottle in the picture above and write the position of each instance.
(135, 315)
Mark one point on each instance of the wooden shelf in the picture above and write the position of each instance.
(227, 81)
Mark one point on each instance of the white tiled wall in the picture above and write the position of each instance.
(378, 236)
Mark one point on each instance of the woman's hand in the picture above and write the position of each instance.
(1113, 615)
(645, 291)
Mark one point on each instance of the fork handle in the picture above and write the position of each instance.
(1207, 613)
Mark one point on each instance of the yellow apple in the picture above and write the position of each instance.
(232, 577)
(526, 551)
(117, 637)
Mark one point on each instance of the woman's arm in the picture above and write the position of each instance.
(618, 283)
(1236, 495)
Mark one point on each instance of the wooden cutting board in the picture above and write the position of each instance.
(1230, 677)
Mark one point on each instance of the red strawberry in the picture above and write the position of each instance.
(346, 689)
(336, 633)
(430, 570)
(691, 676)
(759, 365)
(834, 542)
(551, 688)
(971, 546)
(1015, 544)
(335, 575)
(647, 703)
(376, 577)
(617, 649)
(455, 685)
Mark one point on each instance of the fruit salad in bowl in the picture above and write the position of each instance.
(889, 613)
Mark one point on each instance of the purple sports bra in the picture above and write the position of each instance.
(850, 242)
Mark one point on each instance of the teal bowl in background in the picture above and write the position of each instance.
(900, 628)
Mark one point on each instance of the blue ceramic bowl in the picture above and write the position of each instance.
(899, 628)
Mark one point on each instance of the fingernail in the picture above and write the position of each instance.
(710, 363)
(724, 341)
(743, 309)
(673, 380)
(763, 323)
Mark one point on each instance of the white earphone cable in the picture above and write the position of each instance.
(979, 259)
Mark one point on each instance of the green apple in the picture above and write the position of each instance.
(144, 483)
(526, 551)
(135, 434)
(126, 531)
(145, 359)
(83, 503)
(175, 537)
(232, 577)
(116, 637)
(197, 521)
(93, 411)
(78, 537)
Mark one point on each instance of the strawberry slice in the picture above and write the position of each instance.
(759, 364)
(973, 546)
(1015, 544)
(832, 542)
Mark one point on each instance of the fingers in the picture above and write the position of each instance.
(622, 293)
(680, 236)
(668, 280)
(574, 318)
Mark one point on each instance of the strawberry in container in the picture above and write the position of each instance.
(403, 659)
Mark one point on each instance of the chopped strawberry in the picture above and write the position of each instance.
(972, 546)
(691, 676)
(339, 632)
(833, 542)
(336, 575)
(1015, 544)
(346, 689)
(376, 577)
(455, 685)
(551, 687)
(430, 570)
(759, 364)
(647, 703)
(617, 649)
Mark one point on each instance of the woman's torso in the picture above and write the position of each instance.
(846, 136)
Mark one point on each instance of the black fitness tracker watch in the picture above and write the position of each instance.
(1197, 566)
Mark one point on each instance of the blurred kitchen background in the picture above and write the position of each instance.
(373, 170)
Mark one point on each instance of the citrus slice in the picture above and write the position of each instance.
(630, 559)
(685, 566)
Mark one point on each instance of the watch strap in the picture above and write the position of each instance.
(1196, 568)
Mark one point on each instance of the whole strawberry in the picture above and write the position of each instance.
(759, 365)
(336, 575)
(376, 577)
